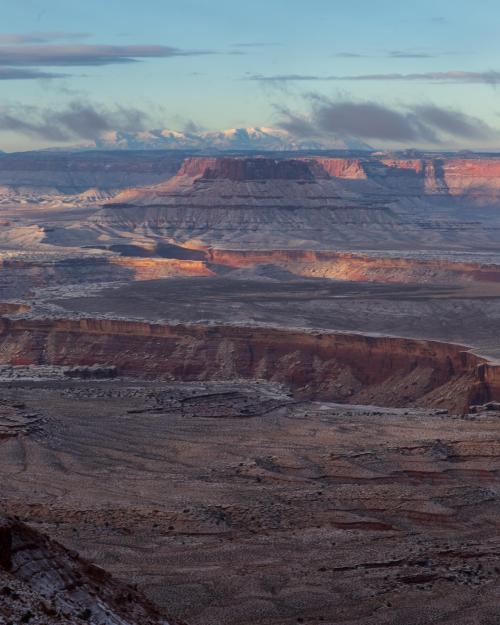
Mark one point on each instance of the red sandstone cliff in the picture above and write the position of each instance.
(336, 366)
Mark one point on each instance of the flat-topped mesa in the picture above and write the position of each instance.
(426, 176)
(357, 203)
(248, 169)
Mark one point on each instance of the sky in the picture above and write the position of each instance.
(393, 73)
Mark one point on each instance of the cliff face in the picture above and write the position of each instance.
(358, 267)
(343, 367)
(19, 277)
(479, 178)
(428, 176)
(80, 171)
(246, 169)
(348, 168)
(154, 268)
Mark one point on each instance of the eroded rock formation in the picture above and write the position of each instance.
(42, 582)
(351, 203)
(20, 275)
(346, 367)
(478, 178)
(358, 267)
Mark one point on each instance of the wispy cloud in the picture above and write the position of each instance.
(18, 73)
(256, 44)
(390, 54)
(39, 37)
(408, 54)
(490, 77)
(86, 55)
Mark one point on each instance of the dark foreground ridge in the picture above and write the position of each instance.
(42, 582)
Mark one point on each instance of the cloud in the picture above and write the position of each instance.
(391, 54)
(17, 73)
(296, 124)
(39, 37)
(277, 78)
(488, 78)
(255, 44)
(86, 55)
(351, 55)
(402, 54)
(373, 121)
(191, 127)
(75, 121)
(370, 120)
(453, 122)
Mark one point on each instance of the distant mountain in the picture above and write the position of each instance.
(272, 139)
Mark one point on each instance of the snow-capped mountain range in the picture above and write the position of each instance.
(272, 139)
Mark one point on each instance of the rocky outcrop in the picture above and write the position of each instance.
(478, 178)
(19, 276)
(241, 170)
(350, 168)
(153, 268)
(93, 372)
(359, 267)
(336, 366)
(475, 178)
(7, 308)
(44, 583)
(247, 169)
(336, 203)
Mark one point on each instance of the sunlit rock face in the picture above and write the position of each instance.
(430, 176)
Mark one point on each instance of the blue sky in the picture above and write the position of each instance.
(220, 64)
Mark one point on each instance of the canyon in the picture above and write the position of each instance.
(336, 367)
(258, 388)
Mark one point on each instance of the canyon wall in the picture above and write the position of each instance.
(432, 176)
(320, 182)
(18, 277)
(321, 365)
(359, 267)
(437, 174)
(74, 172)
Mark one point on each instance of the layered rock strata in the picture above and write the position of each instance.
(44, 583)
(345, 367)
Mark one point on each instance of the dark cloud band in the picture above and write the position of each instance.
(373, 121)
(75, 122)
